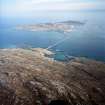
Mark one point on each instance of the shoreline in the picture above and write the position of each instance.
(48, 53)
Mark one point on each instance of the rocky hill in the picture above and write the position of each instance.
(30, 77)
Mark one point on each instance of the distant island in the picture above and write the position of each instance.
(65, 26)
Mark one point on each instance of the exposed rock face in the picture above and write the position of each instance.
(28, 77)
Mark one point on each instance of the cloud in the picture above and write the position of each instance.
(23, 7)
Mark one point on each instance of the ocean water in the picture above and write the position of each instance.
(86, 41)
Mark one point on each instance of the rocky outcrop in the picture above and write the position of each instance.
(30, 77)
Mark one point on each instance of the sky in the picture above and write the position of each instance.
(14, 8)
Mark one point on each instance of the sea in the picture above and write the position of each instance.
(87, 40)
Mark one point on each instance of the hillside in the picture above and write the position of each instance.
(30, 77)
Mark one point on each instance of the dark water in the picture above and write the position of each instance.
(87, 41)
